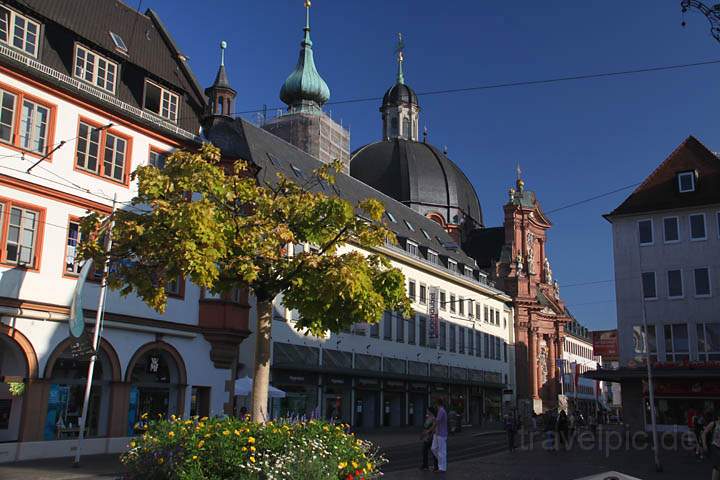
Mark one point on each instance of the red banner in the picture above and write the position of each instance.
(605, 344)
(687, 388)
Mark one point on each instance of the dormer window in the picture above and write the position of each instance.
(452, 265)
(412, 248)
(95, 69)
(433, 257)
(686, 182)
(160, 101)
(468, 272)
(19, 31)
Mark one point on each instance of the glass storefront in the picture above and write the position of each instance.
(301, 400)
(66, 395)
(155, 387)
(367, 402)
(336, 396)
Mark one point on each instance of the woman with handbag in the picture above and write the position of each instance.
(427, 437)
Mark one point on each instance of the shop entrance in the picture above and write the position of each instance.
(416, 409)
(393, 409)
(155, 386)
(366, 408)
(12, 365)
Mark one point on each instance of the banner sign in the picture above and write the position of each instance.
(434, 319)
(605, 344)
(77, 319)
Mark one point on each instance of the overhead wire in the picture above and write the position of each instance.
(521, 83)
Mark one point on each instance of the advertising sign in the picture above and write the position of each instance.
(433, 317)
(605, 344)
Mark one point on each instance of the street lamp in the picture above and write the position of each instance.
(711, 13)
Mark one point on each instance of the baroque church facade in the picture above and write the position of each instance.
(422, 177)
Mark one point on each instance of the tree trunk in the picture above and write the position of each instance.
(261, 376)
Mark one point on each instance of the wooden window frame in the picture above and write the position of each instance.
(7, 205)
(14, 143)
(94, 81)
(11, 27)
(65, 273)
(100, 174)
(158, 151)
(163, 90)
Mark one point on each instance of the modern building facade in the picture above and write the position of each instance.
(666, 236)
(89, 91)
(580, 394)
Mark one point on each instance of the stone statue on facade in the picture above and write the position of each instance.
(548, 271)
(556, 285)
(543, 362)
(531, 253)
(519, 264)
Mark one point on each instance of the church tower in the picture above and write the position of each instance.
(305, 125)
(400, 110)
(221, 96)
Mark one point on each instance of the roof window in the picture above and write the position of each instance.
(409, 225)
(686, 182)
(119, 42)
(427, 235)
(391, 217)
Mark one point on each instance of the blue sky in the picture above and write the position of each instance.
(573, 139)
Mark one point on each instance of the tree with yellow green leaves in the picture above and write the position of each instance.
(218, 226)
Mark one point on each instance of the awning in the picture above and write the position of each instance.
(640, 373)
(244, 385)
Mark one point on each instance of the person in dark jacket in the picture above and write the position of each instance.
(563, 427)
(511, 427)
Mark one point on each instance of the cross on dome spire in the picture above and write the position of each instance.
(400, 58)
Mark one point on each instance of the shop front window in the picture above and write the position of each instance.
(155, 387)
(67, 390)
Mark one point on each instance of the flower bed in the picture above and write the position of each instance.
(234, 449)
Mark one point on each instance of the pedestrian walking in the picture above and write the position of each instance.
(711, 442)
(698, 428)
(427, 438)
(593, 423)
(562, 427)
(572, 424)
(439, 443)
(511, 427)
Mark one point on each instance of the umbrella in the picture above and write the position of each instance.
(244, 385)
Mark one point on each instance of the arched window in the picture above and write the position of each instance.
(406, 128)
(393, 127)
(67, 390)
(219, 105)
(12, 364)
(156, 389)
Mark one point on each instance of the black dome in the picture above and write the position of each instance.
(399, 94)
(420, 176)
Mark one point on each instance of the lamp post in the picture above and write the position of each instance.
(711, 13)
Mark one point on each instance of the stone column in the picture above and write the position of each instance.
(35, 403)
(553, 366)
(119, 405)
(533, 363)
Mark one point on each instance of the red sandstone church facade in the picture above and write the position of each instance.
(515, 256)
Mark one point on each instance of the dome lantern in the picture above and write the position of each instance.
(400, 110)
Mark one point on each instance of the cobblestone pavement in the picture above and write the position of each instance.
(536, 463)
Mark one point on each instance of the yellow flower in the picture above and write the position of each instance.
(132, 444)
(355, 465)
(252, 448)
(144, 416)
(194, 457)
(251, 440)
(244, 449)
(226, 432)
(201, 443)
(204, 419)
(252, 459)
(369, 467)
(173, 418)
(237, 433)
(342, 465)
(171, 434)
(161, 460)
(325, 428)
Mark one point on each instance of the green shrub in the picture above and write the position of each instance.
(235, 449)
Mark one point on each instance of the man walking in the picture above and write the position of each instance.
(439, 445)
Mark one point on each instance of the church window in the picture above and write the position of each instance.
(394, 127)
(406, 128)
